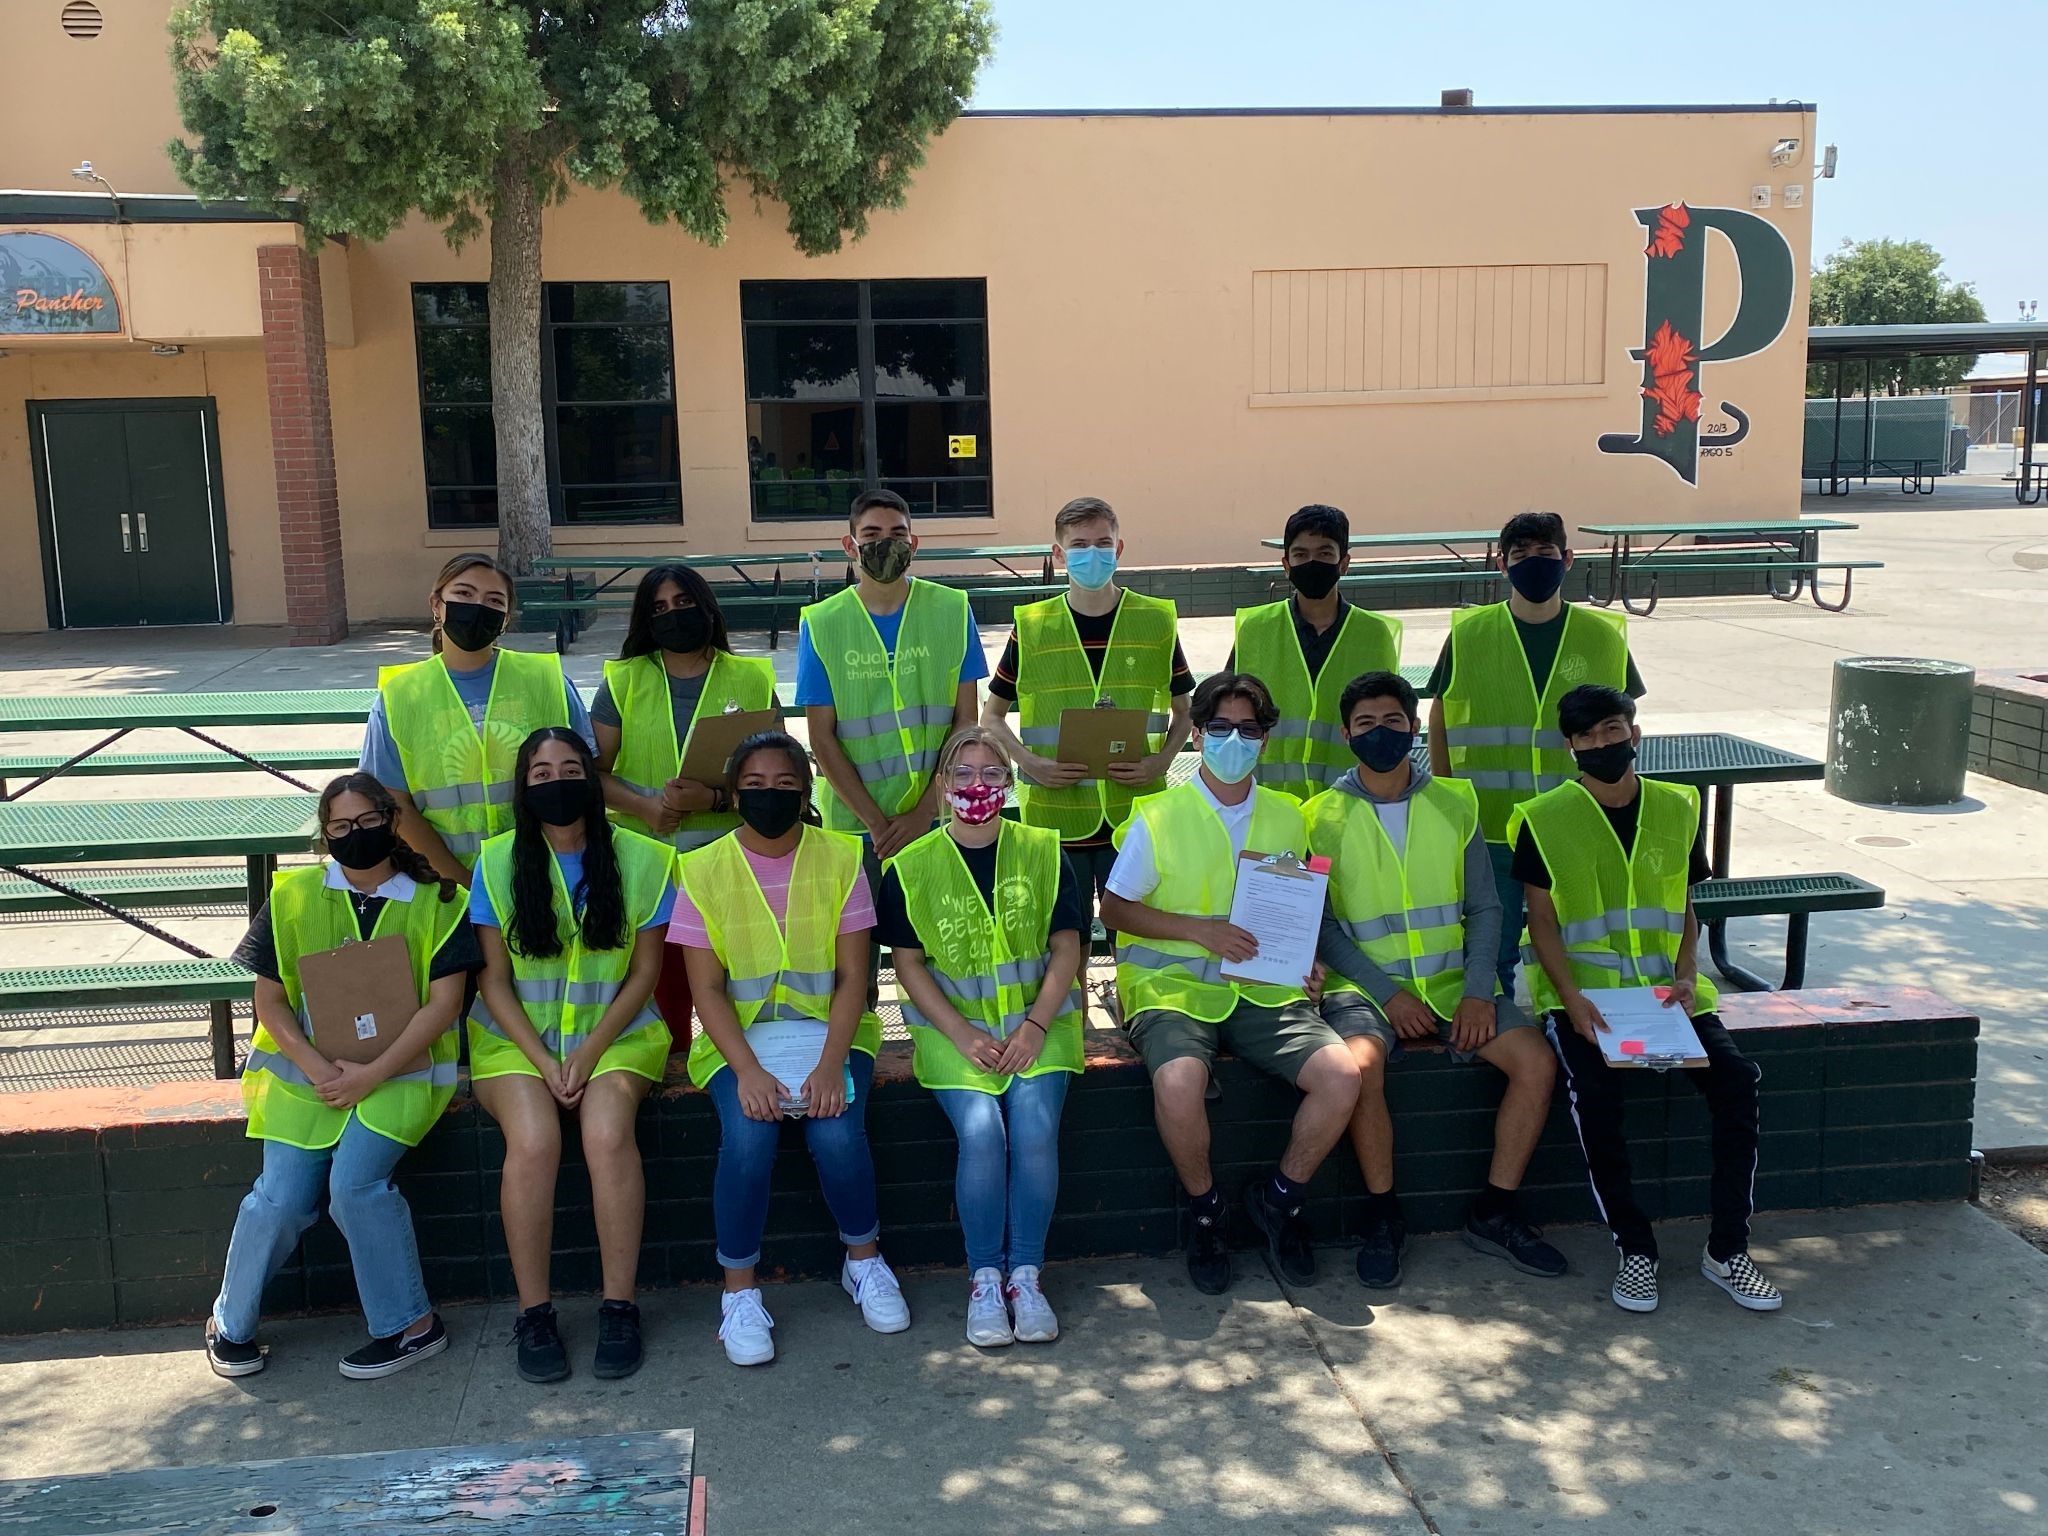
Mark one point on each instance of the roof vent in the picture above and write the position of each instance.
(82, 19)
(1462, 97)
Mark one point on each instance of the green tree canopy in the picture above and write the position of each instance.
(1890, 282)
(480, 112)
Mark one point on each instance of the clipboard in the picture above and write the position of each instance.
(1278, 899)
(359, 998)
(1642, 1033)
(1097, 737)
(713, 737)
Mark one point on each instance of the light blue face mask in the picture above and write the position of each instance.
(1230, 758)
(1091, 568)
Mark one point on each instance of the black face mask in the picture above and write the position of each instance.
(685, 631)
(1382, 748)
(364, 847)
(472, 626)
(770, 812)
(1313, 578)
(1537, 578)
(1608, 763)
(885, 559)
(560, 802)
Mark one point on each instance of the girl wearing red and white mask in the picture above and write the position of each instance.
(985, 917)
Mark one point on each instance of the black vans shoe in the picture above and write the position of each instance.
(229, 1358)
(542, 1358)
(1208, 1259)
(1286, 1232)
(618, 1340)
(387, 1357)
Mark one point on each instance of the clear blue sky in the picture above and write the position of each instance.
(1920, 100)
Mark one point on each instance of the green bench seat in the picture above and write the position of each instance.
(1805, 575)
(220, 984)
(568, 613)
(193, 886)
(1795, 898)
(33, 765)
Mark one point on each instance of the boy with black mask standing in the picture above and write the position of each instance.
(1496, 687)
(1306, 648)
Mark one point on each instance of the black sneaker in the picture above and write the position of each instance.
(1286, 1232)
(1507, 1236)
(229, 1358)
(541, 1356)
(386, 1357)
(1379, 1254)
(1208, 1260)
(618, 1340)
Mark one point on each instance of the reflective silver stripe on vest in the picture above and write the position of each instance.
(757, 989)
(1488, 778)
(1591, 930)
(551, 1038)
(450, 798)
(1207, 969)
(1040, 735)
(439, 1074)
(650, 790)
(464, 845)
(1286, 773)
(912, 716)
(1401, 922)
(1288, 730)
(1505, 736)
(1436, 964)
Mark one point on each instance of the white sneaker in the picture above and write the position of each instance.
(1635, 1283)
(872, 1285)
(988, 1320)
(744, 1327)
(1743, 1281)
(1035, 1321)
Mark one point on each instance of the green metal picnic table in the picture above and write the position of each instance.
(191, 713)
(255, 829)
(1450, 542)
(1797, 537)
(571, 566)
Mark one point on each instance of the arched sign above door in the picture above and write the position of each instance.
(50, 287)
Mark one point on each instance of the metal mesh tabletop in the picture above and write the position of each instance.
(1715, 757)
(1774, 895)
(1770, 525)
(56, 986)
(115, 711)
(59, 832)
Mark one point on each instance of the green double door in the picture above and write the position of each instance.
(133, 528)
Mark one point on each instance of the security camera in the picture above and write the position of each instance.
(1784, 152)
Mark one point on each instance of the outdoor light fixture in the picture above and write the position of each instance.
(1827, 163)
(165, 349)
(1784, 152)
(83, 171)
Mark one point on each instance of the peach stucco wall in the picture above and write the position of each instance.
(1120, 254)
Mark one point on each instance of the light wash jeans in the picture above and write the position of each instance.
(1009, 1167)
(365, 1204)
(746, 1167)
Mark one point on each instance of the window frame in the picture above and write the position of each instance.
(863, 323)
(551, 406)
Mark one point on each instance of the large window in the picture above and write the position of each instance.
(867, 383)
(607, 369)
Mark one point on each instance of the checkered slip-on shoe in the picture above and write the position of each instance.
(1635, 1283)
(1743, 1281)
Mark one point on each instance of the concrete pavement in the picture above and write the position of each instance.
(1898, 1392)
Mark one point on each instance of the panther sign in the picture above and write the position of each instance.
(1674, 304)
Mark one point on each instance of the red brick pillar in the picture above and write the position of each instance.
(302, 444)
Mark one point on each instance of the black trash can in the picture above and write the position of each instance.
(1899, 730)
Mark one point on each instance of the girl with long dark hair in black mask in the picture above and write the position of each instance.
(571, 912)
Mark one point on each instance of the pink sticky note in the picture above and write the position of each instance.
(1319, 864)
(1631, 1047)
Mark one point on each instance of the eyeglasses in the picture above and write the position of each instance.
(1250, 730)
(336, 830)
(995, 775)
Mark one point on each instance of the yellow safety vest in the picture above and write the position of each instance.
(1503, 739)
(649, 754)
(1622, 915)
(305, 919)
(1404, 910)
(460, 777)
(774, 970)
(1053, 676)
(1196, 877)
(1308, 751)
(564, 996)
(893, 716)
(989, 964)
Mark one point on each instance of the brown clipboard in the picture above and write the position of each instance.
(1097, 737)
(712, 738)
(359, 998)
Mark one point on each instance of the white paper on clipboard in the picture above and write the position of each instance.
(788, 1051)
(1278, 900)
(1642, 1032)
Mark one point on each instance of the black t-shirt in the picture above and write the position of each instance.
(1539, 645)
(459, 954)
(1316, 644)
(892, 921)
(1530, 869)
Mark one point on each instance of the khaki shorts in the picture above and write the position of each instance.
(1276, 1040)
(1352, 1014)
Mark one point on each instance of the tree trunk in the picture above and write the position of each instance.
(524, 534)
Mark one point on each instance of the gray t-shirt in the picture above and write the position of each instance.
(683, 693)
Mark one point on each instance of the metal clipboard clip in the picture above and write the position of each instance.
(1286, 865)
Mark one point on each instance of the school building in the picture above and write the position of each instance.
(1430, 317)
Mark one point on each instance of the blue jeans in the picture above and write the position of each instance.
(356, 1174)
(1503, 857)
(746, 1164)
(1009, 1167)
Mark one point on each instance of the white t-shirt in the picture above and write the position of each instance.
(1135, 875)
(1393, 815)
